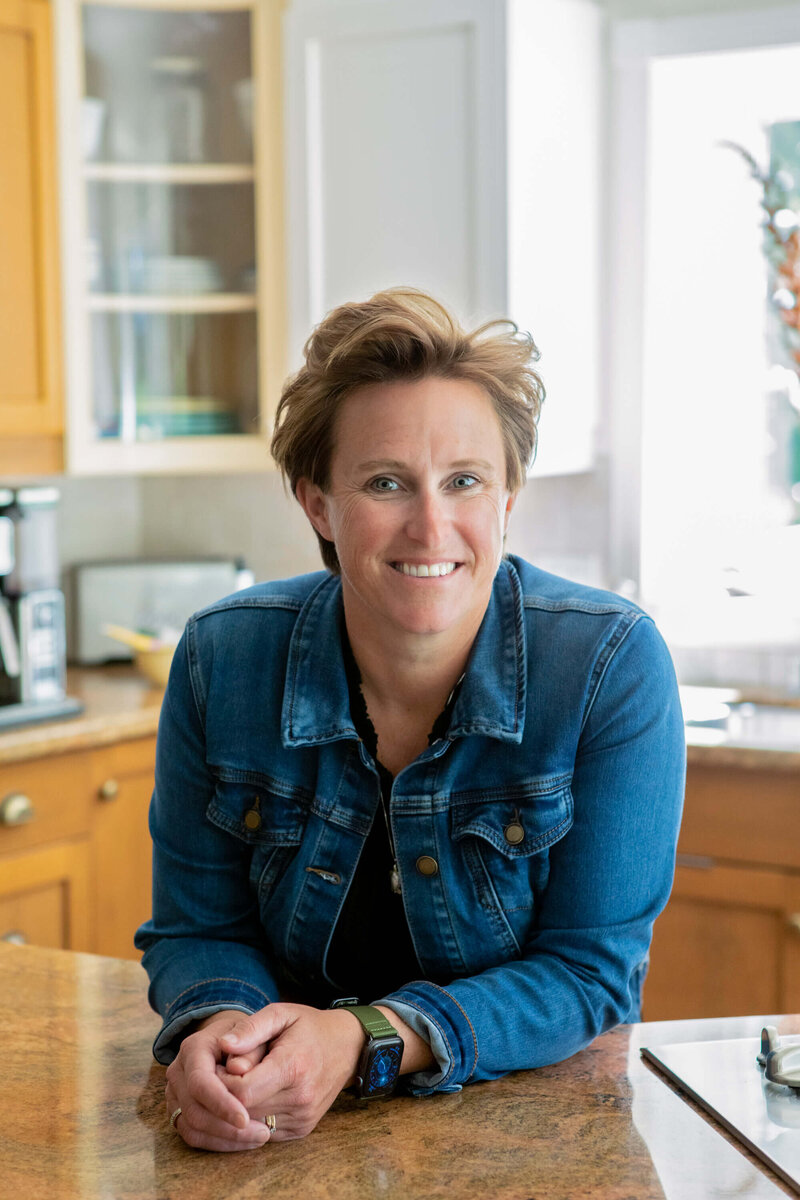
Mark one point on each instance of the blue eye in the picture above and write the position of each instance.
(383, 484)
(464, 481)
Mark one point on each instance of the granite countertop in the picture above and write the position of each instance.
(727, 728)
(119, 704)
(83, 1118)
(757, 732)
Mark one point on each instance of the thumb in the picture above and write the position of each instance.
(256, 1030)
(240, 1064)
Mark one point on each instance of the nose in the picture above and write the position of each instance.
(428, 519)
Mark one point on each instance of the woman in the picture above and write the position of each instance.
(432, 777)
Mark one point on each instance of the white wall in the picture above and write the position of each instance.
(229, 516)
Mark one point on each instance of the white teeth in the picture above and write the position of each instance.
(423, 571)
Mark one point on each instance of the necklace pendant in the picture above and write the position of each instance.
(394, 879)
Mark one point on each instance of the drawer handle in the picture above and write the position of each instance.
(16, 809)
(15, 936)
(108, 790)
(794, 921)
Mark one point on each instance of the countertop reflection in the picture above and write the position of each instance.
(83, 1115)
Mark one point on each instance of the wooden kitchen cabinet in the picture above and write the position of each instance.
(75, 869)
(123, 783)
(728, 942)
(30, 297)
(44, 896)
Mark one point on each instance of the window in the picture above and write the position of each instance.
(711, 539)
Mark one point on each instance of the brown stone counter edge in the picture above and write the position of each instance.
(119, 706)
(744, 758)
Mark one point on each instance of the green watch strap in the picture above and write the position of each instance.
(374, 1022)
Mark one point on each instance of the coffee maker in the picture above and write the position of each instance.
(32, 624)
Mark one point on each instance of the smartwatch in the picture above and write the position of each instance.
(379, 1065)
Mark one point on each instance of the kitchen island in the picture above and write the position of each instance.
(83, 1116)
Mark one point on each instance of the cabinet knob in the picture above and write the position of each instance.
(108, 790)
(15, 936)
(16, 809)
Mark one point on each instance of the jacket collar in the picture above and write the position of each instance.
(316, 704)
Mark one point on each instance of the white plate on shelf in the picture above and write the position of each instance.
(181, 273)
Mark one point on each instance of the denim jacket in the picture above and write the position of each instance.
(567, 724)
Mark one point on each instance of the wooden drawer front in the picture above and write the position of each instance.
(44, 897)
(742, 816)
(727, 944)
(59, 789)
(125, 759)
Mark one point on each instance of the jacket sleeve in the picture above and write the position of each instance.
(203, 945)
(583, 965)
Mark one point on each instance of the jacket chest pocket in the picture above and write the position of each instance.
(504, 839)
(271, 820)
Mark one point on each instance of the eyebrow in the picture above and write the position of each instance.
(394, 464)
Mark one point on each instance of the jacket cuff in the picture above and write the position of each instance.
(438, 1018)
(202, 1000)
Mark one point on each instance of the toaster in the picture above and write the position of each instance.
(154, 595)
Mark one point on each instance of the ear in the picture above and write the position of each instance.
(510, 502)
(314, 504)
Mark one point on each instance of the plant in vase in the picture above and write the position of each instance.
(780, 202)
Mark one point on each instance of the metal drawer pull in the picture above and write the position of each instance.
(696, 862)
(108, 790)
(15, 936)
(16, 809)
(794, 921)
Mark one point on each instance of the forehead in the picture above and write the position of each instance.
(433, 414)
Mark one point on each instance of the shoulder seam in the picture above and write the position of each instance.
(288, 603)
(590, 607)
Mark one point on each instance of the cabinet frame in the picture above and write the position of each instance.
(31, 426)
(87, 455)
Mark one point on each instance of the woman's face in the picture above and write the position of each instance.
(417, 506)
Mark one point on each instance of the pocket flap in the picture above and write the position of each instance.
(518, 824)
(258, 814)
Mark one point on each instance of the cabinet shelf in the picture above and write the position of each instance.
(169, 173)
(173, 236)
(204, 302)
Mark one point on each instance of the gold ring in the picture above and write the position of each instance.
(174, 1117)
(271, 1122)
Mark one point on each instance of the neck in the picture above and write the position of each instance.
(408, 671)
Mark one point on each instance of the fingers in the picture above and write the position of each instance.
(209, 1091)
(193, 1078)
(199, 1129)
(240, 1064)
(261, 1086)
(257, 1029)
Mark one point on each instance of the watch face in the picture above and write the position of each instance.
(382, 1067)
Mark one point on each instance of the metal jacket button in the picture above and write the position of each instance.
(252, 818)
(514, 833)
(427, 865)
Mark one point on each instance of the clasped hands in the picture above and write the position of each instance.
(289, 1061)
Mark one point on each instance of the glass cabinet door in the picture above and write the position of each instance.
(169, 197)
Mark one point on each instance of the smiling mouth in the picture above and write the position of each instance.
(425, 570)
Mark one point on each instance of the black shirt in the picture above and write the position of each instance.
(371, 952)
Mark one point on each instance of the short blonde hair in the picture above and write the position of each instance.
(402, 334)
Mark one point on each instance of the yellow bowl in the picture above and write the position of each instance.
(155, 664)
